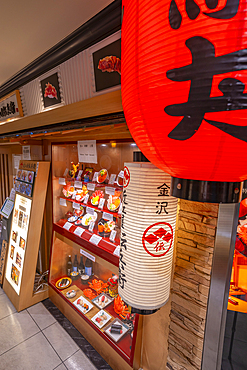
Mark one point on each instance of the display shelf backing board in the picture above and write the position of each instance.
(26, 298)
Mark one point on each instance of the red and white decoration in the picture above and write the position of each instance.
(147, 237)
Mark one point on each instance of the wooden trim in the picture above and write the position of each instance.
(18, 98)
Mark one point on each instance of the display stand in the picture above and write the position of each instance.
(24, 241)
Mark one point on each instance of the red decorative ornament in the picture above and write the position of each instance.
(184, 74)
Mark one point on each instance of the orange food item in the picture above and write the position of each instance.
(89, 293)
(98, 285)
(120, 308)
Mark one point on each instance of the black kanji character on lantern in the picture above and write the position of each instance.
(161, 207)
(164, 190)
(205, 65)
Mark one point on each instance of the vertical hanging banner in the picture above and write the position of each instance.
(183, 84)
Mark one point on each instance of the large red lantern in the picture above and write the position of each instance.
(184, 70)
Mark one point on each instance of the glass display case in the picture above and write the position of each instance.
(87, 207)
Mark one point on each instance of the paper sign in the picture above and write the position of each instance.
(91, 186)
(95, 239)
(66, 172)
(91, 226)
(121, 174)
(90, 210)
(67, 225)
(87, 152)
(109, 190)
(61, 181)
(101, 203)
(112, 179)
(120, 209)
(76, 205)
(78, 184)
(7, 207)
(17, 159)
(12, 194)
(113, 236)
(79, 231)
(86, 199)
(95, 176)
(26, 153)
(107, 216)
(62, 202)
(117, 251)
(89, 256)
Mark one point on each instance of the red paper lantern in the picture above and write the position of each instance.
(183, 85)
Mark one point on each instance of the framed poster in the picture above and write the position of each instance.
(50, 87)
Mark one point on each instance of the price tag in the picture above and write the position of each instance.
(121, 174)
(101, 203)
(95, 239)
(117, 251)
(95, 176)
(79, 174)
(62, 202)
(91, 226)
(78, 184)
(76, 205)
(120, 209)
(84, 253)
(109, 190)
(79, 231)
(90, 210)
(67, 225)
(91, 186)
(113, 236)
(61, 181)
(112, 179)
(86, 199)
(107, 216)
(66, 172)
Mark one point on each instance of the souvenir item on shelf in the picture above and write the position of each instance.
(89, 293)
(19, 172)
(83, 304)
(87, 174)
(88, 219)
(102, 300)
(114, 201)
(102, 176)
(24, 175)
(63, 283)
(96, 196)
(113, 286)
(98, 285)
(81, 193)
(116, 330)
(101, 318)
(75, 168)
(105, 227)
(30, 176)
(28, 190)
(68, 190)
(71, 293)
(120, 308)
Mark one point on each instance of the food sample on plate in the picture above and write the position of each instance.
(88, 219)
(78, 221)
(105, 227)
(71, 294)
(63, 283)
(102, 176)
(81, 193)
(84, 278)
(114, 201)
(116, 330)
(102, 300)
(96, 196)
(78, 212)
(101, 318)
(98, 285)
(74, 275)
(68, 190)
(89, 293)
(72, 218)
(83, 304)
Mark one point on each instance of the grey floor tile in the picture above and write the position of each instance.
(33, 354)
(15, 329)
(6, 307)
(79, 361)
(41, 315)
(61, 367)
(60, 340)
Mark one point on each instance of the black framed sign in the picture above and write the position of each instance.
(50, 90)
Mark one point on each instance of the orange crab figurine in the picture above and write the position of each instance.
(120, 308)
(98, 285)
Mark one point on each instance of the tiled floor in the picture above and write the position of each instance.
(36, 340)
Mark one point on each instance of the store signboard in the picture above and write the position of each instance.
(10, 106)
(18, 241)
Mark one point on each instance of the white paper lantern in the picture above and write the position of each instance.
(147, 237)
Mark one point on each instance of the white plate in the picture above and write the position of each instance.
(102, 323)
(86, 216)
(113, 336)
(81, 308)
(96, 300)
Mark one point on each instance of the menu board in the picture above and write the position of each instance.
(18, 241)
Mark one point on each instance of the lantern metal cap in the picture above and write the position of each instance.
(206, 191)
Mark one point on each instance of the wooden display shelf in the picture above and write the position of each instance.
(104, 249)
